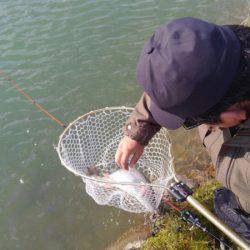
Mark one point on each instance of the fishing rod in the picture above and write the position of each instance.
(30, 99)
(178, 189)
(181, 192)
(192, 218)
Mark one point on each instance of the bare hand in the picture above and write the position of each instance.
(128, 147)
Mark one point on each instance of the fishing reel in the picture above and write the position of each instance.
(180, 191)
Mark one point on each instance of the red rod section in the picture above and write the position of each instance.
(171, 204)
(30, 99)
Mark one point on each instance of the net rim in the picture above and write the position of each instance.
(84, 117)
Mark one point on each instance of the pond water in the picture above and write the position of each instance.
(72, 57)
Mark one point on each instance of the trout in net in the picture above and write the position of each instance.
(142, 193)
(128, 186)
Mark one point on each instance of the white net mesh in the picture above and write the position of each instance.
(87, 148)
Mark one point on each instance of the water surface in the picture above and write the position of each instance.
(72, 57)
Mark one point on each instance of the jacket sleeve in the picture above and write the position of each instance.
(212, 139)
(141, 125)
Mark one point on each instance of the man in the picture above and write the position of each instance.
(196, 73)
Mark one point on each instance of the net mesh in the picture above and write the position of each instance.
(87, 148)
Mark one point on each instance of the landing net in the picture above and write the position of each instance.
(87, 148)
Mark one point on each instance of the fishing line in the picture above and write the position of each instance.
(86, 148)
(30, 99)
(179, 190)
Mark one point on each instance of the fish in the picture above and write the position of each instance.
(92, 170)
(143, 193)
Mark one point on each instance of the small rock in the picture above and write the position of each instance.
(191, 183)
(134, 245)
(178, 229)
